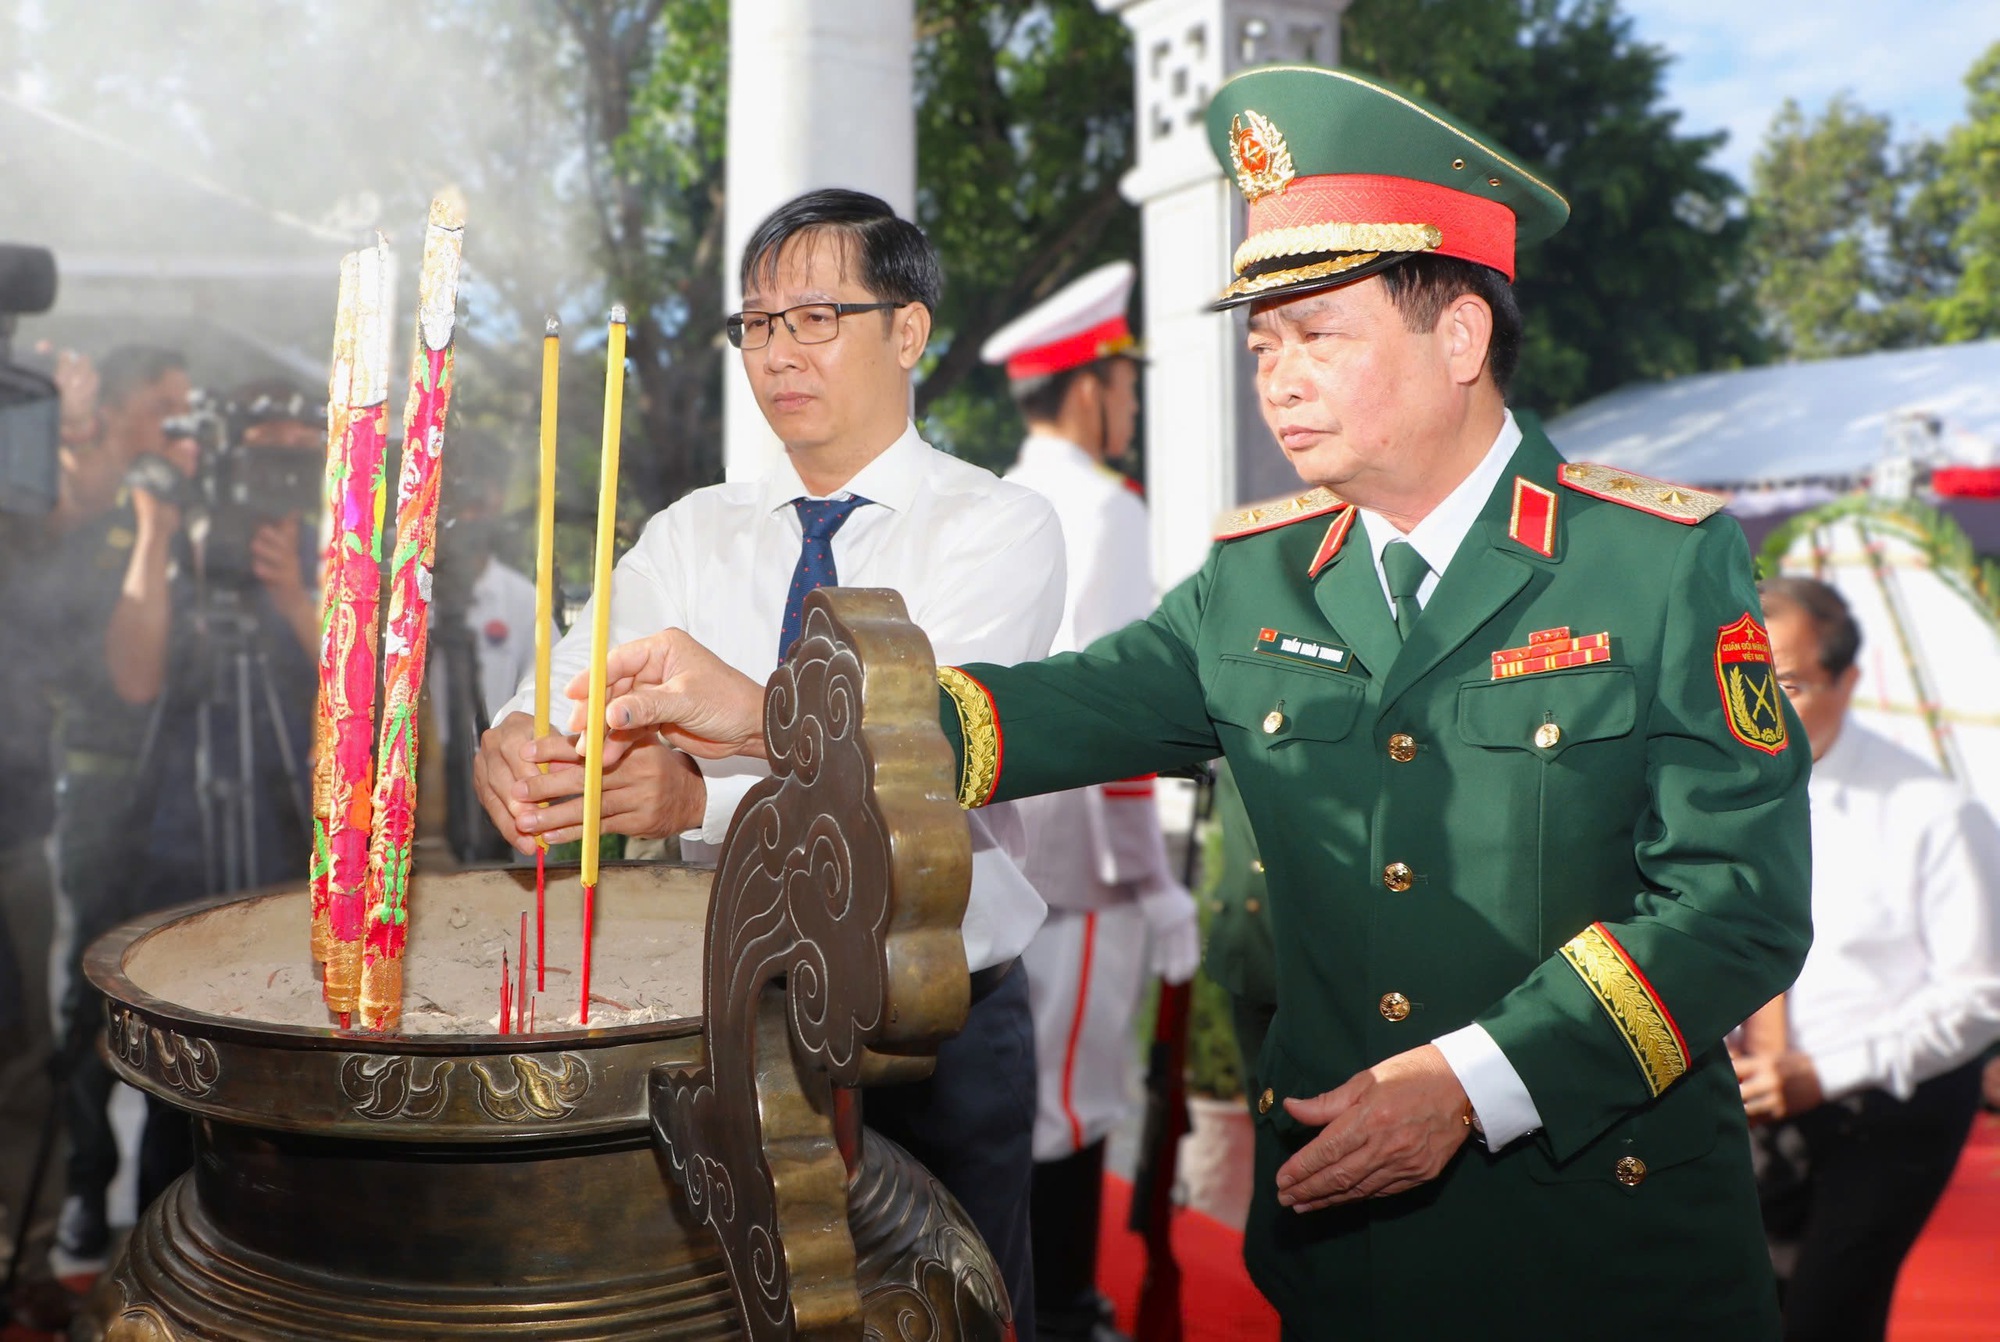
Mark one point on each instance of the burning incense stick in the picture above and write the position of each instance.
(545, 600)
(521, 988)
(339, 393)
(408, 633)
(353, 596)
(506, 983)
(600, 631)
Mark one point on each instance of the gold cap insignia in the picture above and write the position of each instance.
(1258, 156)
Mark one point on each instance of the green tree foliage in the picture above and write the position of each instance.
(1024, 125)
(1838, 252)
(1965, 197)
(1643, 281)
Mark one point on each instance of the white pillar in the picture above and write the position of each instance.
(820, 94)
(1206, 447)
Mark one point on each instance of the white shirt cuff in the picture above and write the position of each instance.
(725, 794)
(1499, 1099)
(1844, 1070)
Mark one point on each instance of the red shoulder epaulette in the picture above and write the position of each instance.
(1661, 498)
(1277, 513)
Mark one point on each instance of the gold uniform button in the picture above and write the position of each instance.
(1272, 721)
(1395, 1006)
(1257, 866)
(1265, 1101)
(1402, 747)
(1548, 736)
(1631, 1171)
(1251, 906)
(1398, 876)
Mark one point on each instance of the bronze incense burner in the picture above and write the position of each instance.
(699, 1176)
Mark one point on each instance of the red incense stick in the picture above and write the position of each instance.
(541, 920)
(506, 983)
(521, 987)
(589, 921)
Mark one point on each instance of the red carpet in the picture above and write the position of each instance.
(1950, 1287)
(1949, 1292)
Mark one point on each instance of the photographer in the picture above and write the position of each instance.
(162, 796)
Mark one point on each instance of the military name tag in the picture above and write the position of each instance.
(1749, 685)
(1297, 648)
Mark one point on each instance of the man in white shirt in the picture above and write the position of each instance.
(838, 295)
(1873, 1054)
(1116, 912)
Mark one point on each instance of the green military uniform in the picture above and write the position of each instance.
(1237, 954)
(1570, 808)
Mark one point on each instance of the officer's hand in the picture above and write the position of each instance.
(699, 702)
(1173, 932)
(501, 760)
(1387, 1130)
(274, 558)
(1777, 1085)
(651, 791)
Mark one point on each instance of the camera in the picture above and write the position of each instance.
(237, 486)
(30, 411)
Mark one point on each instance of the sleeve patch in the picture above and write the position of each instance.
(1748, 682)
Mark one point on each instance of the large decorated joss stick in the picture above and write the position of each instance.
(545, 602)
(338, 385)
(600, 630)
(407, 634)
(354, 590)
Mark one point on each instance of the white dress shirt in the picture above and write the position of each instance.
(1903, 980)
(1498, 1095)
(978, 562)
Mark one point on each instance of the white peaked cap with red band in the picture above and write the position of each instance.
(1080, 323)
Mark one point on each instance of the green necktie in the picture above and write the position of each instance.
(1406, 570)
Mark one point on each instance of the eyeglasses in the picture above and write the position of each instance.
(809, 323)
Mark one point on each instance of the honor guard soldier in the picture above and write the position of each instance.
(1116, 912)
(1530, 799)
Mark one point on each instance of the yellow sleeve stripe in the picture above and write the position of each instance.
(979, 725)
(1629, 1000)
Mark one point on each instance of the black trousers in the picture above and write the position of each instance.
(973, 1125)
(1874, 1168)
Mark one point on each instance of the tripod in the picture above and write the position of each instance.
(227, 791)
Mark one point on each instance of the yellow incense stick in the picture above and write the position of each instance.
(600, 590)
(600, 631)
(545, 601)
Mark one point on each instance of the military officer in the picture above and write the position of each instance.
(1116, 911)
(1531, 803)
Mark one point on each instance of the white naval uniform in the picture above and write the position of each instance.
(979, 564)
(1094, 849)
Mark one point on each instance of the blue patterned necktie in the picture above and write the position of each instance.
(819, 518)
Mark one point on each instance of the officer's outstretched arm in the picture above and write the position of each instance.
(1130, 703)
(1626, 1008)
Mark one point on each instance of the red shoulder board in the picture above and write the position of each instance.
(1277, 513)
(1661, 498)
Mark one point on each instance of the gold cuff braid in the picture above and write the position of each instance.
(980, 729)
(1641, 1019)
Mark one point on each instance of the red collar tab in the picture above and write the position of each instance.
(1533, 522)
(1101, 341)
(1336, 535)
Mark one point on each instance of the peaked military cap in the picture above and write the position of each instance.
(1080, 323)
(1346, 175)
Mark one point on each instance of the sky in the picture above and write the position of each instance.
(1736, 61)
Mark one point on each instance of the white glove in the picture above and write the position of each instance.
(1173, 934)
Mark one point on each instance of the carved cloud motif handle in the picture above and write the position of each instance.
(833, 956)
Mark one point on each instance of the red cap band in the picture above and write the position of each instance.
(1099, 342)
(1474, 228)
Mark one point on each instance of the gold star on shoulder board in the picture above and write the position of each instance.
(1661, 498)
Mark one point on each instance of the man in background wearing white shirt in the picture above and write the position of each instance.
(1873, 1054)
(838, 295)
(1116, 912)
